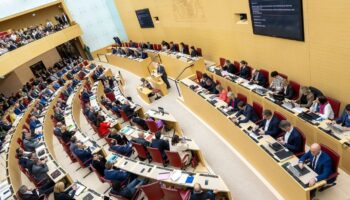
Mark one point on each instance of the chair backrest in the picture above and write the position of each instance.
(258, 109)
(222, 62)
(296, 88)
(250, 72)
(155, 46)
(229, 89)
(159, 47)
(110, 96)
(86, 62)
(199, 50)
(265, 73)
(218, 82)
(199, 75)
(174, 159)
(177, 47)
(279, 115)
(140, 149)
(335, 106)
(303, 142)
(283, 76)
(335, 159)
(152, 126)
(124, 116)
(153, 191)
(171, 193)
(242, 97)
(155, 154)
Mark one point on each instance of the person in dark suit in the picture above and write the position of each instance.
(40, 169)
(247, 111)
(161, 71)
(211, 87)
(85, 95)
(173, 47)
(141, 139)
(165, 45)
(160, 144)
(269, 125)
(99, 163)
(194, 52)
(115, 174)
(184, 48)
(140, 123)
(117, 40)
(127, 191)
(83, 154)
(199, 194)
(143, 54)
(344, 120)
(232, 101)
(30, 194)
(258, 78)
(288, 91)
(61, 194)
(231, 68)
(320, 162)
(245, 71)
(292, 139)
(126, 107)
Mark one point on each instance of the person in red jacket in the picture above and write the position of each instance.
(103, 126)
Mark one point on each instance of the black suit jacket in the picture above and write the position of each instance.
(273, 128)
(99, 166)
(161, 145)
(232, 69)
(261, 79)
(249, 114)
(294, 143)
(289, 92)
(245, 72)
(194, 53)
(185, 50)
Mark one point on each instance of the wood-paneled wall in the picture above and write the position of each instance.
(320, 61)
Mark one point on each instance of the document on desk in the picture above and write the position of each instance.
(183, 178)
(127, 130)
(163, 176)
(175, 175)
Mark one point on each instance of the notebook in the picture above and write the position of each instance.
(189, 179)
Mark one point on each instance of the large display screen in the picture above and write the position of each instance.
(145, 18)
(278, 18)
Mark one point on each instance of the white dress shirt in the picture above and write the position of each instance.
(327, 112)
(267, 124)
(287, 135)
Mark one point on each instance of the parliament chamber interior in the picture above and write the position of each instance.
(174, 100)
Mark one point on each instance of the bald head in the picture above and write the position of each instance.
(315, 149)
(197, 187)
(141, 135)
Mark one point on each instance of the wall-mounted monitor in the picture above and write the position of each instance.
(278, 18)
(145, 18)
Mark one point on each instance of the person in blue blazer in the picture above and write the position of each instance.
(292, 139)
(248, 112)
(320, 162)
(115, 174)
(34, 123)
(269, 125)
(259, 78)
(245, 71)
(344, 120)
(160, 144)
(83, 154)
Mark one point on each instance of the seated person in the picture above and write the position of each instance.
(115, 174)
(155, 92)
(60, 192)
(231, 68)
(141, 139)
(99, 163)
(142, 54)
(125, 149)
(73, 143)
(83, 154)
(224, 72)
(59, 114)
(247, 111)
(211, 87)
(85, 95)
(159, 123)
(320, 162)
(17, 110)
(322, 107)
(258, 78)
(129, 111)
(57, 130)
(232, 101)
(194, 52)
(288, 91)
(269, 125)
(34, 123)
(344, 120)
(119, 138)
(106, 102)
(160, 144)
(23, 158)
(199, 194)
(204, 79)
(173, 47)
(40, 169)
(306, 97)
(181, 148)
(292, 139)
(103, 126)
(127, 191)
(245, 71)
(30, 143)
(277, 82)
(222, 93)
(33, 194)
(66, 134)
(140, 123)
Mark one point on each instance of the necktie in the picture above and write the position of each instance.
(314, 163)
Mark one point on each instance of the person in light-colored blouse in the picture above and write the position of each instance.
(181, 148)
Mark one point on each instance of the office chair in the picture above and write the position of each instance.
(153, 191)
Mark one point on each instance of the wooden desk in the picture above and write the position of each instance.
(137, 67)
(167, 118)
(143, 92)
(271, 170)
(158, 83)
(313, 133)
